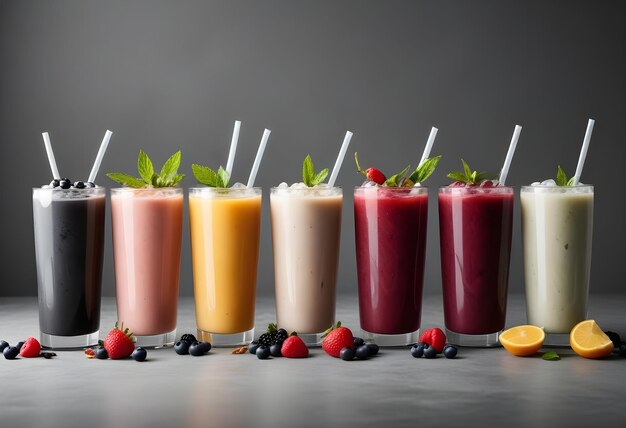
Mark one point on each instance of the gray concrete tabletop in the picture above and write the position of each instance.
(480, 387)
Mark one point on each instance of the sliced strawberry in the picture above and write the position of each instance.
(435, 338)
(31, 348)
(119, 343)
(294, 347)
(337, 338)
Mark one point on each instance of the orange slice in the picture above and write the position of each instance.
(588, 340)
(523, 340)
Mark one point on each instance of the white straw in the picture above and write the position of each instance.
(339, 161)
(50, 153)
(429, 144)
(233, 148)
(99, 156)
(259, 156)
(583, 151)
(509, 155)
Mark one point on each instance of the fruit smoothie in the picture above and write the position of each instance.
(390, 231)
(557, 225)
(69, 244)
(147, 233)
(475, 226)
(306, 225)
(225, 228)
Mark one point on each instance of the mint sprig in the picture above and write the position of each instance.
(309, 176)
(425, 169)
(168, 177)
(551, 356)
(397, 179)
(208, 177)
(468, 176)
(561, 178)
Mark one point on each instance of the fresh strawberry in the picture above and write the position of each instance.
(372, 174)
(375, 175)
(30, 348)
(119, 343)
(435, 338)
(294, 347)
(337, 338)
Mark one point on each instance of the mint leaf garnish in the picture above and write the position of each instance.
(170, 167)
(168, 177)
(145, 167)
(309, 177)
(468, 176)
(395, 179)
(551, 356)
(126, 180)
(424, 170)
(561, 178)
(208, 177)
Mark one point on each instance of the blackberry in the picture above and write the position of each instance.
(272, 335)
(189, 338)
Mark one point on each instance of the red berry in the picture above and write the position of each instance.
(119, 344)
(457, 184)
(31, 348)
(337, 339)
(486, 183)
(294, 347)
(375, 175)
(435, 338)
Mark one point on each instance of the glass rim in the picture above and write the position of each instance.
(147, 189)
(390, 189)
(98, 189)
(557, 189)
(477, 190)
(305, 189)
(223, 189)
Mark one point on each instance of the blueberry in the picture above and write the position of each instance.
(622, 349)
(189, 338)
(363, 352)
(357, 342)
(347, 354)
(254, 345)
(90, 185)
(181, 347)
(373, 348)
(450, 351)
(65, 183)
(139, 354)
(275, 349)
(614, 338)
(54, 183)
(196, 349)
(19, 346)
(430, 352)
(3, 344)
(263, 352)
(10, 352)
(79, 185)
(205, 346)
(417, 350)
(48, 355)
(101, 353)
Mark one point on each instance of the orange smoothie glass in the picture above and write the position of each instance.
(147, 234)
(225, 228)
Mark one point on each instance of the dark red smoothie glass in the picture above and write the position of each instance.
(390, 231)
(475, 226)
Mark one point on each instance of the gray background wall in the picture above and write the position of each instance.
(168, 75)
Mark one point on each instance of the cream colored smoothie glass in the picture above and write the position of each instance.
(225, 226)
(306, 224)
(557, 225)
(147, 233)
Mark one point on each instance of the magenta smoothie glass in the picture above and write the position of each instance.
(475, 226)
(390, 232)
